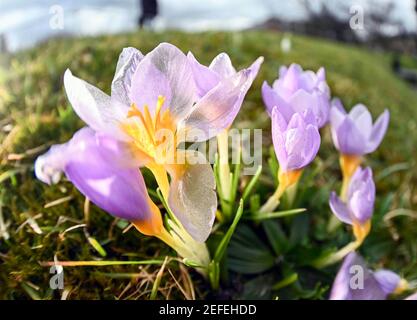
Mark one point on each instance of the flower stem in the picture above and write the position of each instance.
(186, 247)
(285, 180)
(273, 202)
(224, 168)
(337, 256)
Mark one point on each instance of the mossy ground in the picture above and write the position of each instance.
(34, 113)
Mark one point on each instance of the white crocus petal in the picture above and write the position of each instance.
(94, 107)
(129, 60)
(222, 65)
(193, 199)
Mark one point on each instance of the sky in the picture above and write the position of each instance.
(24, 23)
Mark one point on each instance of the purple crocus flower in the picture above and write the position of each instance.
(353, 132)
(358, 208)
(91, 162)
(150, 94)
(296, 142)
(355, 281)
(296, 91)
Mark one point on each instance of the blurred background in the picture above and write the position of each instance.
(369, 50)
(25, 23)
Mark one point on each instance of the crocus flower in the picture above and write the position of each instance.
(296, 144)
(358, 208)
(91, 162)
(296, 91)
(355, 281)
(353, 132)
(150, 94)
(354, 135)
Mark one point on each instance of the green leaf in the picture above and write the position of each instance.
(221, 249)
(214, 266)
(255, 203)
(277, 214)
(273, 164)
(276, 236)
(252, 183)
(286, 281)
(97, 246)
(247, 254)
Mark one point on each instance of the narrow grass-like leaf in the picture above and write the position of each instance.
(286, 281)
(252, 183)
(277, 214)
(102, 263)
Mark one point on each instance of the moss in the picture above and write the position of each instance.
(35, 113)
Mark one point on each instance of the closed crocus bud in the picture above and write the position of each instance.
(355, 281)
(358, 208)
(296, 91)
(353, 133)
(297, 141)
(296, 144)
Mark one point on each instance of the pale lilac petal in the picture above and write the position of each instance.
(412, 297)
(278, 127)
(129, 60)
(119, 191)
(312, 144)
(351, 272)
(339, 208)
(361, 195)
(95, 107)
(341, 285)
(378, 131)
(222, 65)
(193, 199)
(255, 66)
(205, 79)
(272, 99)
(290, 80)
(278, 121)
(219, 107)
(363, 120)
(388, 280)
(302, 100)
(165, 71)
(337, 103)
(349, 139)
(321, 74)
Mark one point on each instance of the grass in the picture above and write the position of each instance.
(39, 223)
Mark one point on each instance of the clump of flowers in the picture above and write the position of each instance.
(156, 103)
(164, 99)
